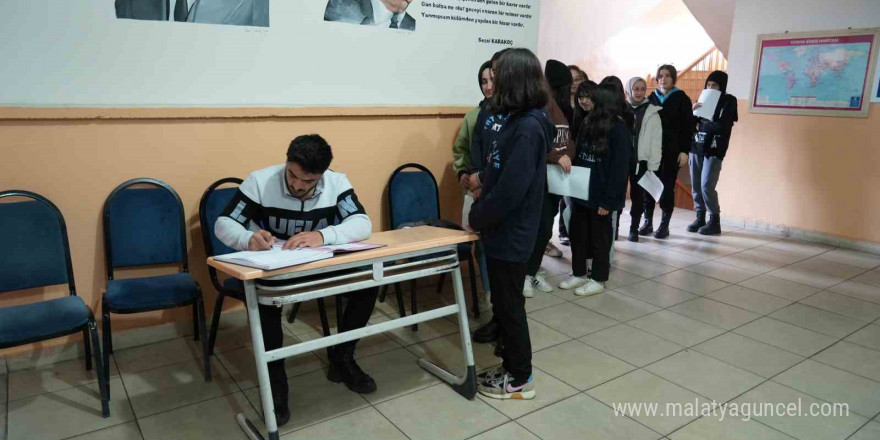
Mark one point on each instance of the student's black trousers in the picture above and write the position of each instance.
(358, 308)
(667, 173)
(591, 235)
(637, 194)
(509, 308)
(545, 232)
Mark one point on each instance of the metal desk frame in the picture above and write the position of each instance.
(382, 271)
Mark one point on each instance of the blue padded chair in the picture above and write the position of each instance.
(413, 197)
(213, 202)
(145, 225)
(36, 253)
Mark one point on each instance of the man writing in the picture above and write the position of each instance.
(306, 205)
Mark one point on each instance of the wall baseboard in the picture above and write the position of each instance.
(801, 234)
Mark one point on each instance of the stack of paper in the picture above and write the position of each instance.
(275, 258)
(574, 184)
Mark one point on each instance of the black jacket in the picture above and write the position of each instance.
(713, 137)
(608, 172)
(509, 209)
(677, 116)
(481, 140)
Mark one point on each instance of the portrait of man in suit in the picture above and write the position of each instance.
(230, 12)
(384, 13)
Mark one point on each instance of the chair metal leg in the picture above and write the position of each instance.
(88, 348)
(103, 377)
(199, 309)
(413, 304)
(472, 275)
(108, 346)
(398, 291)
(325, 324)
(293, 311)
(215, 322)
(441, 282)
(195, 323)
(383, 291)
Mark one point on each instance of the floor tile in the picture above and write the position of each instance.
(715, 313)
(691, 282)
(799, 247)
(867, 337)
(619, 278)
(759, 260)
(777, 286)
(396, 373)
(804, 427)
(705, 376)
(313, 399)
(844, 305)
(721, 271)
(643, 387)
(211, 419)
(365, 424)
(243, 368)
(631, 344)
(549, 391)
(51, 378)
(510, 431)
(160, 354)
(657, 294)
(853, 257)
(542, 336)
(573, 321)
(427, 330)
(369, 346)
(641, 266)
(452, 417)
(730, 428)
(543, 300)
(79, 408)
(871, 431)
(749, 299)
(817, 320)
(675, 259)
(864, 292)
(580, 365)
(125, 431)
(853, 358)
(617, 306)
(583, 417)
(447, 353)
(870, 277)
(707, 249)
(788, 337)
(175, 386)
(2, 421)
(817, 272)
(834, 385)
(748, 354)
(676, 328)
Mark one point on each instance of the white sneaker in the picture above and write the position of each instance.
(484, 302)
(572, 282)
(592, 287)
(540, 283)
(552, 251)
(527, 288)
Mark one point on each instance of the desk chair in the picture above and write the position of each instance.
(144, 225)
(36, 253)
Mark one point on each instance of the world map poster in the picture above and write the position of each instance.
(815, 74)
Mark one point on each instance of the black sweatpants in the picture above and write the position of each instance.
(562, 231)
(667, 173)
(591, 237)
(509, 308)
(637, 194)
(549, 208)
(358, 309)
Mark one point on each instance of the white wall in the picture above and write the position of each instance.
(623, 38)
(754, 17)
(716, 17)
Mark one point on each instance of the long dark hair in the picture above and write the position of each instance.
(586, 89)
(626, 111)
(519, 83)
(605, 115)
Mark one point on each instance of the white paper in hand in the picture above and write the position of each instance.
(466, 210)
(652, 184)
(709, 98)
(575, 184)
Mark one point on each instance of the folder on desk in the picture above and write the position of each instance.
(277, 258)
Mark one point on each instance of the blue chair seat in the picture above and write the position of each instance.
(38, 321)
(150, 293)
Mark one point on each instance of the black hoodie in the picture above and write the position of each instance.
(713, 137)
(513, 185)
(677, 117)
(609, 171)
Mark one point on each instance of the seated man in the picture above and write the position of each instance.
(307, 205)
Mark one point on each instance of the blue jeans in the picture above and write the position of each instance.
(704, 177)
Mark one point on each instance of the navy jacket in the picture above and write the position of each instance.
(509, 209)
(608, 172)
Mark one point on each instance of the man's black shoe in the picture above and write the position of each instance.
(487, 333)
(282, 415)
(344, 369)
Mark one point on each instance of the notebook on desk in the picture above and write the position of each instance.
(277, 258)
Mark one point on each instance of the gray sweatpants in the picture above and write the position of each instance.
(704, 177)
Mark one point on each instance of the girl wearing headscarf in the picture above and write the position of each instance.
(648, 144)
(707, 152)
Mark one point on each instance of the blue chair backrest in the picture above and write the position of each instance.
(213, 203)
(35, 251)
(412, 195)
(144, 226)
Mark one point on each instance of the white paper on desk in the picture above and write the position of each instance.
(652, 184)
(709, 98)
(574, 184)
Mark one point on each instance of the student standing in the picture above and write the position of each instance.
(582, 108)
(578, 76)
(513, 185)
(604, 146)
(648, 145)
(677, 117)
(709, 148)
(461, 153)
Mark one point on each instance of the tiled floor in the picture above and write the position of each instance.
(740, 318)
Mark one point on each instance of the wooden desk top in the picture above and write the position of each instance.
(397, 242)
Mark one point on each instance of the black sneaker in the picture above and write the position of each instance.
(487, 333)
(647, 227)
(347, 371)
(711, 228)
